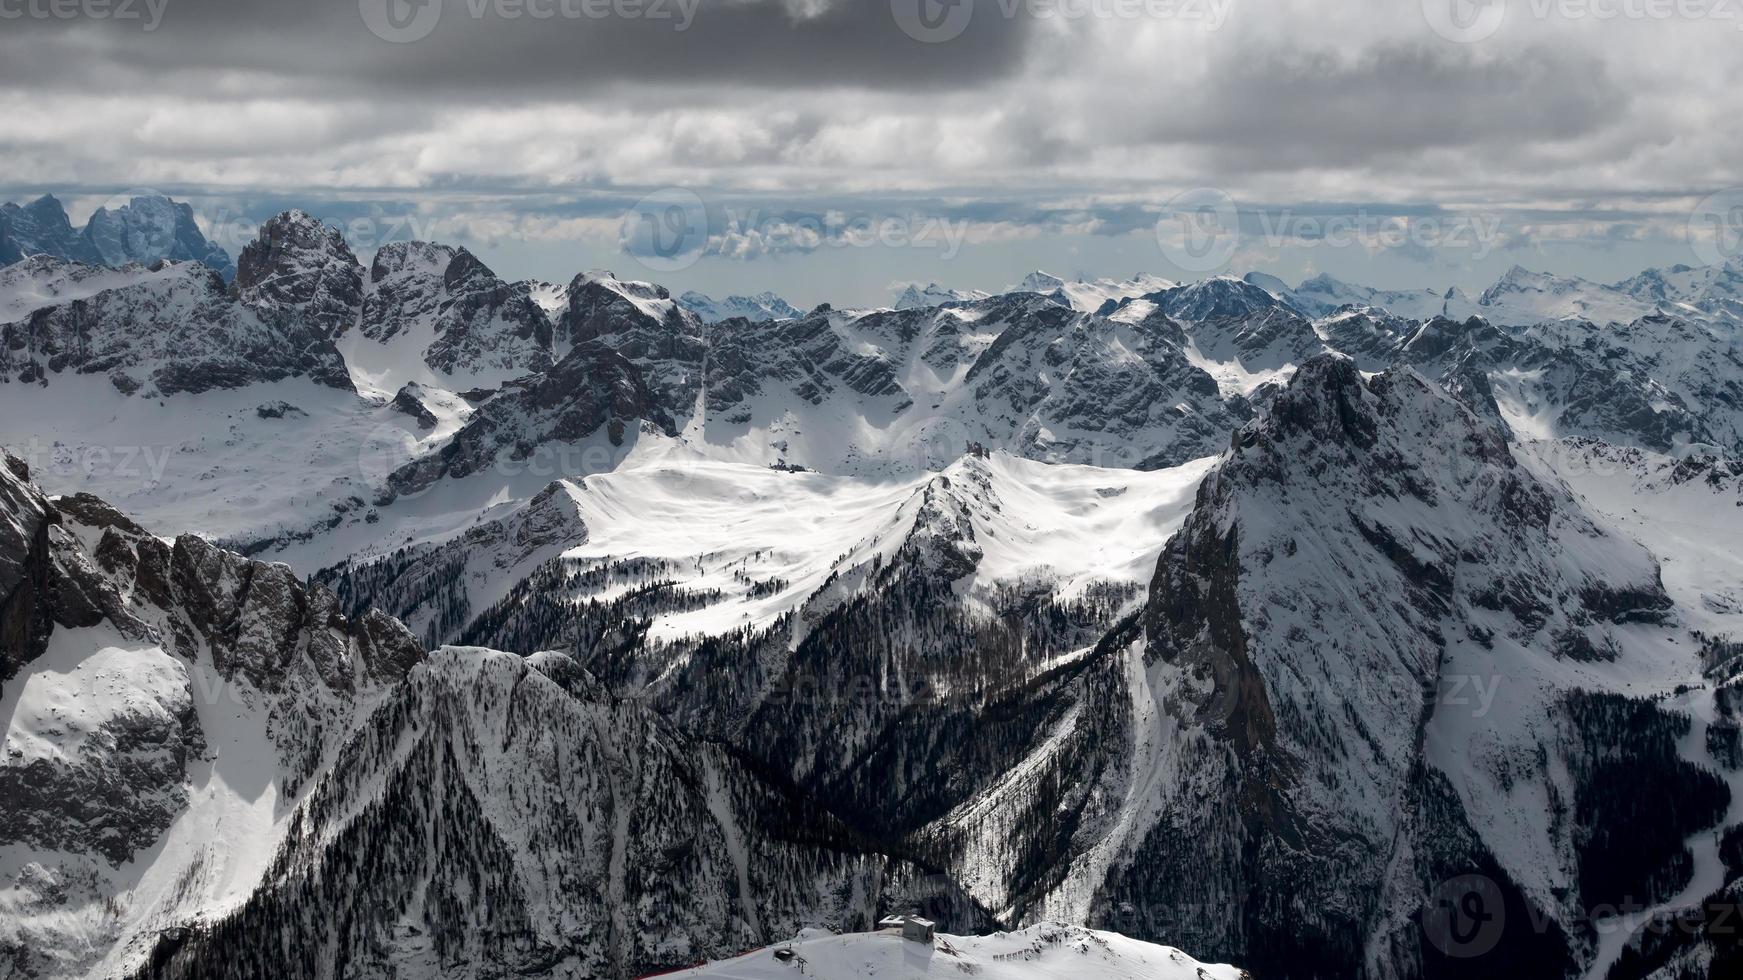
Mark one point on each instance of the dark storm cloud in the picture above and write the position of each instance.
(489, 48)
(1279, 110)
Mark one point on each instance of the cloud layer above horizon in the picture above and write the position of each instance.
(1559, 124)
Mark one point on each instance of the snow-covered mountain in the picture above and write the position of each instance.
(882, 392)
(916, 297)
(762, 306)
(435, 313)
(1518, 298)
(1524, 297)
(1714, 291)
(1286, 636)
(1088, 296)
(1323, 295)
(298, 267)
(1217, 298)
(166, 704)
(1040, 952)
(1369, 334)
(1262, 711)
(1659, 382)
(172, 328)
(145, 230)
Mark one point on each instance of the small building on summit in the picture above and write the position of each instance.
(912, 927)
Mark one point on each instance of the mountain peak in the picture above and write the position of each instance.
(762, 307)
(1040, 282)
(1213, 298)
(1324, 279)
(298, 263)
(1267, 282)
(46, 203)
(152, 228)
(914, 297)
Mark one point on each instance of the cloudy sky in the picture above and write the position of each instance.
(827, 149)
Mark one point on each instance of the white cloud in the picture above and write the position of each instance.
(1571, 128)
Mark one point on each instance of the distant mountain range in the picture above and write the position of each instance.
(144, 230)
(758, 308)
(1519, 298)
(149, 229)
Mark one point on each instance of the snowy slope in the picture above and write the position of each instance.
(1090, 295)
(762, 306)
(243, 463)
(43, 280)
(1523, 297)
(727, 530)
(1045, 951)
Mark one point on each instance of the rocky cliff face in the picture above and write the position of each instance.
(39, 228)
(512, 816)
(299, 268)
(1069, 387)
(459, 318)
(800, 361)
(1304, 721)
(133, 664)
(166, 330)
(592, 390)
(1659, 382)
(151, 229)
(642, 323)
